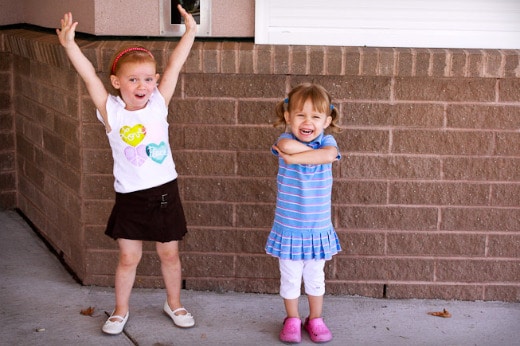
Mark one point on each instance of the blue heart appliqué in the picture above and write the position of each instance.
(157, 152)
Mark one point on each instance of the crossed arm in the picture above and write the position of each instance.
(294, 152)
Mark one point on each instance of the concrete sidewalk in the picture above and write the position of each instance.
(40, 304)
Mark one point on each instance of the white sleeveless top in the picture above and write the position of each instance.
(140, 144)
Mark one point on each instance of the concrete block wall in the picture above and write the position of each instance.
(425, 199)
(7, 141)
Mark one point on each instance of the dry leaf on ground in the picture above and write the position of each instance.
(444, 313)
(88, 311)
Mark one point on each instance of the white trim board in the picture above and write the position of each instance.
(493, 24)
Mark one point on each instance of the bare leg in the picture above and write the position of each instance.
(130, 252)
(315, 306)
(291, 307)
(171, 271)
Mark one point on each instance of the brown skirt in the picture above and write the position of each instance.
(153, 214)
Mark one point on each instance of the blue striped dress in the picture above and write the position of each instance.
(302, 228)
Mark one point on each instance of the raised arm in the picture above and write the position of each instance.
(83, 66)
(168, 81)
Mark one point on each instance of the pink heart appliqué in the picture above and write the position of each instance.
(137, 156)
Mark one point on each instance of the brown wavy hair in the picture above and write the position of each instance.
(297, 97)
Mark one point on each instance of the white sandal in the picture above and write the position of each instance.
(117, 326)
(183, 321)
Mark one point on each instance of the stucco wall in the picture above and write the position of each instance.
(229, 18)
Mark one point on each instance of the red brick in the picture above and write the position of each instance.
(493, 63)
(299, 62)
(509, 90)
(362, 243)
(511, 63)
(369, 62)
(483, 117)
(359, 192)
(438, 193)
(255, 216)
(235, 86)
(263, 268)
(351, 88)
(381, 114)
(442, 142)
(208, 265)
(229, 57)
(434, 291)
(389, 269)
(7, 161)
(462, 270)
(316, 60)
(440, 63)
(354, 289)
(503, 246)
(458, 66)
(281, 59)
(229, 190)
(445, 89)
(381, 217)
(438, 244)
(360, 166)
(246, 58)
(205, 163)
(98, 187)
(97, 161)
(263, 59)
(334, 60)
(208, 214)
(229, 138)
(476, 63)
(360, 140)
(257, 164)
(505, 195)
(386, 62)
(202, 111)
(422, 62)
(194, 62)
(211, 57)
(405, 59)
(257, 112)
(352, 61)
(481, 168)
(7, 181)
(480, 219)
(502, 292)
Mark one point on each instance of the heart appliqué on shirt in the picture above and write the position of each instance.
(137, 156)
(133, 135)
(157, 152)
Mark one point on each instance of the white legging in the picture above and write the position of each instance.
(292, 272)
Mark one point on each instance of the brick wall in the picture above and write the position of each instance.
(7, 141)
(425, 199)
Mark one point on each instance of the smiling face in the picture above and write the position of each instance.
(307, 123)
(135, 81)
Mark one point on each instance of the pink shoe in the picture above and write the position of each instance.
(291, 331)
(317, 330)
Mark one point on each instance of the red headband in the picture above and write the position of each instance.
(128, 50)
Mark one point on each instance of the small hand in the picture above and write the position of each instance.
(189, 21)
(68, 29)
(284, 156)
